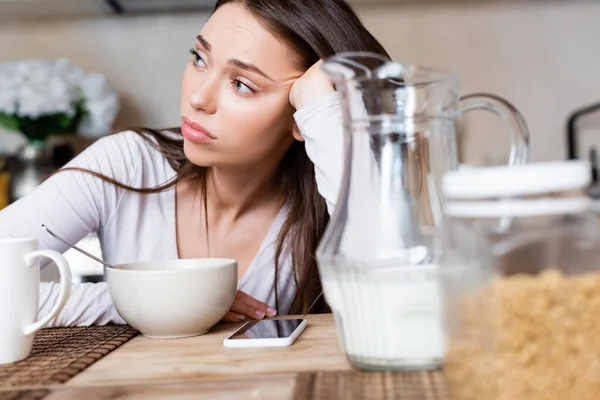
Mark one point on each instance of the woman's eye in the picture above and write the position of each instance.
(198, 60)
(242, 88)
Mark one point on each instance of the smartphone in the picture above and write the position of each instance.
(267, 333)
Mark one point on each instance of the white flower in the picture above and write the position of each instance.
(9, 88)
(101, 104)
(101, 115)
(36, 88)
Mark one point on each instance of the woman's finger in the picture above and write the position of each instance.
(249, 306)
(233, 317)
(259, 305)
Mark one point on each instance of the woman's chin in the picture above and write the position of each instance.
(198, 155)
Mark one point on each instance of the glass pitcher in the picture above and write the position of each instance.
(376, 259)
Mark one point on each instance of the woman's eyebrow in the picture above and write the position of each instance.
(233, 62)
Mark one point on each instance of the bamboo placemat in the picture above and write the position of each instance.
(60, 354)
(355, 385)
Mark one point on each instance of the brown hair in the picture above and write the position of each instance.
(314, 29)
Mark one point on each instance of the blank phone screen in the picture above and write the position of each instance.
(267, 329)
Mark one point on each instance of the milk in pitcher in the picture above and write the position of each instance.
(388, 318)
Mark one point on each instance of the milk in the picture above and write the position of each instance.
(387, 318)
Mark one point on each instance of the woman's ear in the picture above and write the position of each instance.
(296, 133)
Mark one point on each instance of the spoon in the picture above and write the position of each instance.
(54, 235)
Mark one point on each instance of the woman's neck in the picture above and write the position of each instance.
(231, 192)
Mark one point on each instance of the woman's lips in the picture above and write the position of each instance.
(194, 132)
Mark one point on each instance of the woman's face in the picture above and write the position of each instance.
(235, 93)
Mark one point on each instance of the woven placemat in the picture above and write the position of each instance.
(60, 354)
(356, 385)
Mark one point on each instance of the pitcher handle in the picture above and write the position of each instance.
(65, 285)
(519, 152)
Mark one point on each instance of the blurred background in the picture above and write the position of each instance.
(542, 55)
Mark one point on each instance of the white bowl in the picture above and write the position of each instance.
(173, 299)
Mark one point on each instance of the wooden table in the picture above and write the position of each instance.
(204, 358)
(202, 368)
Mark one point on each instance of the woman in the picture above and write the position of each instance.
(259, 121)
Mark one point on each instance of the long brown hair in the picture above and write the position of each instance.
(314, 29)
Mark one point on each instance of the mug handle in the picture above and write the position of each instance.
(65, 285)
(519, 153)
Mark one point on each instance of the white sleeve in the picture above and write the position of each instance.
(89, 304)
(74, 204)
(321, 126)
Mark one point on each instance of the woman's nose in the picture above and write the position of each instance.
(205, 95)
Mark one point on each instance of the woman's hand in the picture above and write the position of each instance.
(315, 83)
(245, 306)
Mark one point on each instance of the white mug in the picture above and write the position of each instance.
(19, 295)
